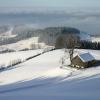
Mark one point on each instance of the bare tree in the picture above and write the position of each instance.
(72, 42)
(69, 42)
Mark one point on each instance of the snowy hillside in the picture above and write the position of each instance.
(22, 37)
(96, 39)
(25, 44)
(85, 36)
(8, 59)
(41, 78)
(7, 34)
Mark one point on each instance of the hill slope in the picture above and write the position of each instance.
(42, 79)
(25, 38)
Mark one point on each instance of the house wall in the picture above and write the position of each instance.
(91, 63)
(78, 62)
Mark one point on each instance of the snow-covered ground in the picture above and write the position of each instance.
(7, 59)
(27, 43)
(7, 34)
(41, 78)
(23, 44)
(96, 39)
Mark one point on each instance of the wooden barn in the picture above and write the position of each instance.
(83, 61)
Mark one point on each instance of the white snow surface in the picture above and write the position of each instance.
(41, 78)
(96, 39)
(23, 44)
(7, 58)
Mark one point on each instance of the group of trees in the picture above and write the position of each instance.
(90, 45)
(47, 35)
(71, 42)
(63, 42)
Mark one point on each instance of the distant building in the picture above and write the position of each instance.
(83, 61)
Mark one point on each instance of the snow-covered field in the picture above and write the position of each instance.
(41, 78)
(96, 39)
(25, 44)
(7, 59)
(22, 44)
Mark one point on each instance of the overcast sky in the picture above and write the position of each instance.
(86, 16)
(49, 3)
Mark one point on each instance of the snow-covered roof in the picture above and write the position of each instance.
(85, 57)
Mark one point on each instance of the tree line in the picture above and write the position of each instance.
(63, 42)
(89, 45)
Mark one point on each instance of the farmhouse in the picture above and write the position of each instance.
(83, 61)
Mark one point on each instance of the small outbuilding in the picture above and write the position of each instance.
(84, 60)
